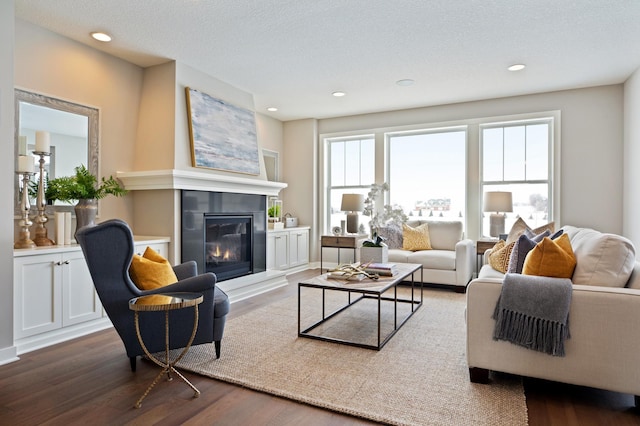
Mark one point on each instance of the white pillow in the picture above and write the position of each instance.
(601, 259)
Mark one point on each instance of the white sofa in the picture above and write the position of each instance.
(604, 348)
(451, 261)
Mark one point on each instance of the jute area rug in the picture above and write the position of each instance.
(419, 378)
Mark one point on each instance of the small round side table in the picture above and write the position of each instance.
(166, 302)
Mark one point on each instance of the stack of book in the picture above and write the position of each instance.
(382, 269)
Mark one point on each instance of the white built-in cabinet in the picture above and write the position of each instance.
(54, 298)
(287, 248)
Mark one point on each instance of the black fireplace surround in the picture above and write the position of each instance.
(224, 232)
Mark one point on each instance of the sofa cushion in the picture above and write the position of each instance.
(415, 238)
(601, 259)
(444, 260)
(551, 258)
(520, 226)
(445, 234)
(499, 256)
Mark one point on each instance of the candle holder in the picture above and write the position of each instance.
(41, 219)
(25, 240)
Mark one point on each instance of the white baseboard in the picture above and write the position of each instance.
(8, 355)
(43, 340)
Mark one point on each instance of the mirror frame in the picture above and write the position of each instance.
(50, 102)
(268, 153)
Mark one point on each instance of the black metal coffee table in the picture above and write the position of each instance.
(365, 289)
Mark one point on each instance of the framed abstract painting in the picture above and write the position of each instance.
(223, 136)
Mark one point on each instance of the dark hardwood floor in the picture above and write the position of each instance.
(88, 381)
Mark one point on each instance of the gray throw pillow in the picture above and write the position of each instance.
(392, 233)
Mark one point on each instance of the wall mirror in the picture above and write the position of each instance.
(73, 130)
(271, 165)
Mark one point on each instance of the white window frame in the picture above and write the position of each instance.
(552, 119)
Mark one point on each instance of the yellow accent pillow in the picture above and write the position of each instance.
(551, 258)
(416, 238)
(151, 270)
(500, 255)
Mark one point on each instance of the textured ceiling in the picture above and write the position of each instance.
(292, 54)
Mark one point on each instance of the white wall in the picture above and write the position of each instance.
(53, 65)
(591, 142)
(631, 212)
(7, 350)
(300, 164)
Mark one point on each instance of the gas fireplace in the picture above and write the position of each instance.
(225, 233)
(228, 244)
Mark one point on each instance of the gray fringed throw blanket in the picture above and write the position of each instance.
(533, 312)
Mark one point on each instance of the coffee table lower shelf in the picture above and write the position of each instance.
(364, 290)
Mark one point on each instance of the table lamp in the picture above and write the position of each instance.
(352, 204)
(497, 202)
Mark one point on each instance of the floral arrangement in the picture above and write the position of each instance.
(380, 218)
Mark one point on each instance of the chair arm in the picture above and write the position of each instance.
(186, 270)
(198, 284)
(465, 261)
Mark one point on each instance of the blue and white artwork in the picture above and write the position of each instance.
(223, 136)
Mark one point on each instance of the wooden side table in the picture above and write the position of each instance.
(166, 302)
(340, 242)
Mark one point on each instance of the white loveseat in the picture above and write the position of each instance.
(451, 261)
(604, 348)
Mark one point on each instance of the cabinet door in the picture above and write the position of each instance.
(298, 248)
(277, 250)
(37, 301)
(80, 301)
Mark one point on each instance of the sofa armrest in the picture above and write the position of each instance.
(603, 351)
(465, 261)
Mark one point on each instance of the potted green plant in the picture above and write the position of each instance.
(374, 250)
(86, 189)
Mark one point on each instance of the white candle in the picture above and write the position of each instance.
(22, 145)
(25, 164)
(42, 141)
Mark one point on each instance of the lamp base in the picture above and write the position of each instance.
(496, 224)
(352, 223)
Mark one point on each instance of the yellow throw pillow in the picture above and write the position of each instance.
(500, 255)
(416, 238)
(551, 258)
(151, 270)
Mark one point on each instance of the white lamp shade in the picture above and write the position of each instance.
(352, 203)
(498, 201)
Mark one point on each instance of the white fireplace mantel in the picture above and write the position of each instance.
(196, 180)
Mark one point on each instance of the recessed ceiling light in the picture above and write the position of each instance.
(517, 67)
(272, 109)
(338, 94)
(405, 82)
(101, 36)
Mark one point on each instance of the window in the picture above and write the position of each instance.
(516, 157)
(350, 171)
(427, 173)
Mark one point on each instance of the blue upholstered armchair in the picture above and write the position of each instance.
(108, 250)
